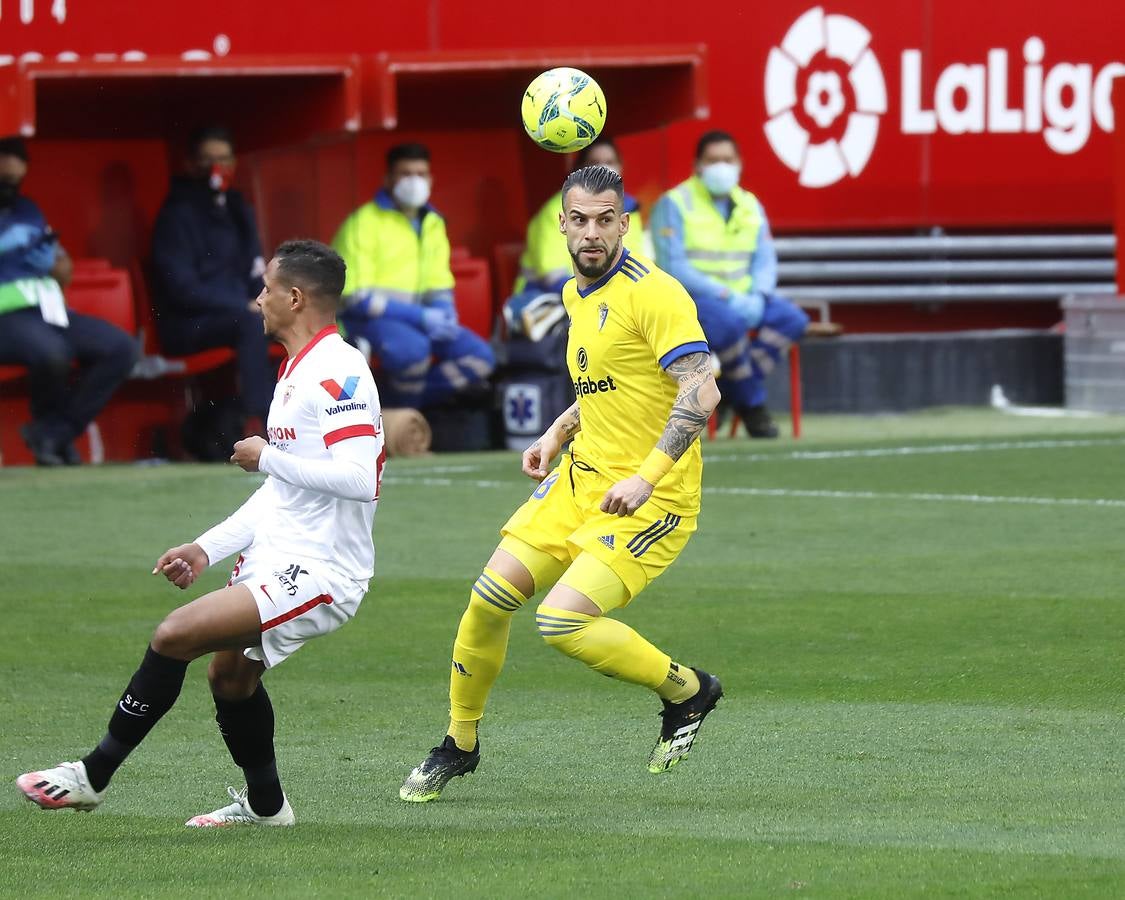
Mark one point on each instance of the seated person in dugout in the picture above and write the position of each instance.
(714, 238)
(207, 268)
(39, 332)
(399, 293)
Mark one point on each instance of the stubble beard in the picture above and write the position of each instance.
(597, 270)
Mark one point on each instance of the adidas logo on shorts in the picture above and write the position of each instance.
(607, 539)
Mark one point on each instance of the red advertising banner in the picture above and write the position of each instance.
(851, 113)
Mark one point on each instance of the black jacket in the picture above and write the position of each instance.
(205, 255)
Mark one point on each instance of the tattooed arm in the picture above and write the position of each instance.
(696, 400)
(537, 458)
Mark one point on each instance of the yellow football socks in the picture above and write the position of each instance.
(680, 684)
(464, 733)
(606, 646)
(479, 651)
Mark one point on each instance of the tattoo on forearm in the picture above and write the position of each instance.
(570, 422)
(689, 415)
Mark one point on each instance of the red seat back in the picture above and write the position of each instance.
(472, 292)
(102, 291)
(506, 266)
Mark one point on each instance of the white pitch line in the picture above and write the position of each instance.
(447, 482)
(1103, 502)
(720, 457)
(1097, 502)
(914, 451)
(448, 470)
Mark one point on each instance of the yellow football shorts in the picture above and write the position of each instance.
(563, 518)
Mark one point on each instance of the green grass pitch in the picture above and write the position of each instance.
(920, 625)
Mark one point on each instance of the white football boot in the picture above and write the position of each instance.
(66, 786)
(240, 813)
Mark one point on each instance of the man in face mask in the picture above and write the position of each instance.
(39, 332)
(399, 291)
(714, 237)
(207, 270)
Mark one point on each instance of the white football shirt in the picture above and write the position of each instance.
(325, 461)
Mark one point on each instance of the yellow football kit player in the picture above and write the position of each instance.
(618, 509)
(624, 330)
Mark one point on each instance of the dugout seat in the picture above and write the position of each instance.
(98, 289)
(472, 293)
(506, 266)
(794, 358)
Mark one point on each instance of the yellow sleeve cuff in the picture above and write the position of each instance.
(656, 465)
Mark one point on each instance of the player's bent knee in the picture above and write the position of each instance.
(173, 637)
(562, 628)
(495, 595)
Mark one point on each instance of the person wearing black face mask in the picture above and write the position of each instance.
(207, 269)
(39, 332)
(9, 191)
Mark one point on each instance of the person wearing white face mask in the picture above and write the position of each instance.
(714, 238)
(399, 291)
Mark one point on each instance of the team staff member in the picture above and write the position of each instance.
(618, 510)
(399, 294)
(39, 332)
(714, 237)
(207, 269)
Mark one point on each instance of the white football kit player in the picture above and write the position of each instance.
(304, 537)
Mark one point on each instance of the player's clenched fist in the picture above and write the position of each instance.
(182, 565)
(247, 452)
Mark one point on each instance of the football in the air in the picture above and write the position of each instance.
(563, 110)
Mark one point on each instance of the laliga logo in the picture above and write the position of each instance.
(825, 93)
(823, 68)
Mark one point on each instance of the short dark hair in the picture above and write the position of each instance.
(399, 152)
(312, 266)
(603, 141)
(14, 145)
(594, 179)
(206, 133)
(713, 137)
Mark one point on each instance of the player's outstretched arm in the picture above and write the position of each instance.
(537, 458)
(697, 398)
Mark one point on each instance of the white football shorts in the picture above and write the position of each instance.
(297, 600)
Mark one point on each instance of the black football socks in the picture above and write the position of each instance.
(152, 691)
(247, 729)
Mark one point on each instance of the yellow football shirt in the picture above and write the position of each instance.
(625, 329)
